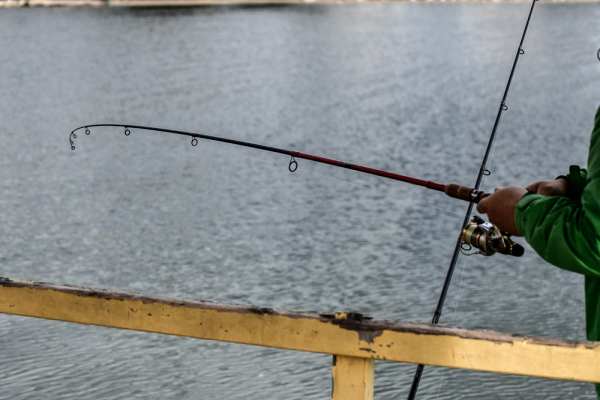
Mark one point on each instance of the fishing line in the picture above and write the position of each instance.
(177, 139)
(382, 192)
(453, 321)
(168, 139)
(486, 237)
(462, 274)
(483, 171)
(451, 189)
(304, 171)
(486, 177)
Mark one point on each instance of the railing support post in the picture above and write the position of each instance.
(353, 378)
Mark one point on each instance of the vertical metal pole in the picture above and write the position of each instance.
(503, 107)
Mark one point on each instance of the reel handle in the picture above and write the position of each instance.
(511, 248)
(464, 193)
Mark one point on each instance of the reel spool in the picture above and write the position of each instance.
(486, 237)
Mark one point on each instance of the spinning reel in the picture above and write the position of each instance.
(486, 237)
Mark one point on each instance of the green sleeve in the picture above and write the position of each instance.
(566, 231)
(577, 178)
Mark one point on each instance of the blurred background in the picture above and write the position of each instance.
(405, 87)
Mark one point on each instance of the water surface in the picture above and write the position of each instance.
(409, 88)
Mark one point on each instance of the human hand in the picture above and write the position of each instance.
(557, 187)
(500, 207)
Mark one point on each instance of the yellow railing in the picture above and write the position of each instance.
(354, 340)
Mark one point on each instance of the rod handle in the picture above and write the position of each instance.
(464, 193)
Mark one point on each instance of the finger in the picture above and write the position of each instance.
(546, 191)
(498, 188)
(482, 206)
(532, 187)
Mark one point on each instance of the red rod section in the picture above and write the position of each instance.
(428, 184)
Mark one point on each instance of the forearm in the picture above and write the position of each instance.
(559, 230)
(500, 206)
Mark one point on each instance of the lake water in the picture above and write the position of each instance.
(409, 88)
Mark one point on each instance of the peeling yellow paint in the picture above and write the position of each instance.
(343, 334)
(353, 378)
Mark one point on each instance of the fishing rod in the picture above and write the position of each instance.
(486, 237)
(483, 171)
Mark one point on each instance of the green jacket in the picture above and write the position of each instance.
(566, 231)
